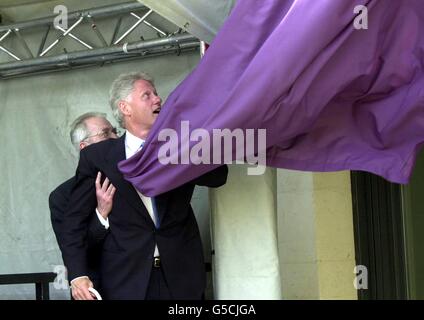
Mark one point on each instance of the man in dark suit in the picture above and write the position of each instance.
(153, 249)
(87, 129)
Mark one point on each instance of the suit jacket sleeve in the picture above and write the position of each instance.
(96, 232)
(82, 204)
(214, 178)
(58, 202)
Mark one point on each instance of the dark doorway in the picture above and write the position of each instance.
(379, 236)
(413, 216)
(389, 234)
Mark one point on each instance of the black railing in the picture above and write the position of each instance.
(41, 281)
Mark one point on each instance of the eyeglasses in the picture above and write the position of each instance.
(105, 133)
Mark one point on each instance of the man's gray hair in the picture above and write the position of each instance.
(79, 129)
(121, 88)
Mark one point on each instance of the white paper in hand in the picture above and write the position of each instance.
(96, 293)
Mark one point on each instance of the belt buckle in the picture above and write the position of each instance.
(156, 262)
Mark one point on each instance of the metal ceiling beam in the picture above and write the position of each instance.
(100, 12)
(100, 61)
(74, 56)
(175, 42)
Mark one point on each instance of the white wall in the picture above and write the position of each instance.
(296, 234)
(244, 236)
(315, 231)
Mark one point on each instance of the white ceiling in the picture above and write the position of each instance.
(9, 3)
(201, 18)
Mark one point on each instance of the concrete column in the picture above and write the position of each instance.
(315, 232)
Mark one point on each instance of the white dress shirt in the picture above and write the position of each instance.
(103, 221)
(132, 145)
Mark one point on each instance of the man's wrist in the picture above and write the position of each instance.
(81, 277)
(104, 221)
(104, 215)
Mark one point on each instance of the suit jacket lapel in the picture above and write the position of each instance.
(126, 189)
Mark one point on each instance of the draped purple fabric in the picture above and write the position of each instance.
(330, 96)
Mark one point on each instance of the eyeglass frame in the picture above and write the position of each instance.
(103, 133)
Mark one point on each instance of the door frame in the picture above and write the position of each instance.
(379, 236)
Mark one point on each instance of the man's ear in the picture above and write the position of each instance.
(124, 107)
(83, 144)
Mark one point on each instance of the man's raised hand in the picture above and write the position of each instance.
(104, 194)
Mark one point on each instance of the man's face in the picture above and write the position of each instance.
(99, 129)
(143, 105)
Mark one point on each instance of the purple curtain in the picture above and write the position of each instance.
(330, 96)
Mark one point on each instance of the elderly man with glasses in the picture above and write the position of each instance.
(89, 128)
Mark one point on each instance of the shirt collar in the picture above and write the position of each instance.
(132, 142)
